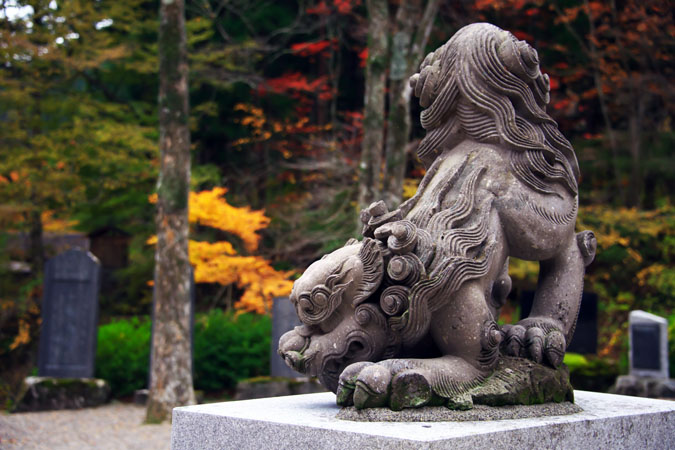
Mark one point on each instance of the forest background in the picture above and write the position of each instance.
(300, 116)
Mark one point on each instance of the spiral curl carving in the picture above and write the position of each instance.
(369, 313)
(406, 269)
(424, 84)
(317, 306)
(394, 300)
(401, 236)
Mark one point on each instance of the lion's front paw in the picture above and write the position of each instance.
(534, 341)
(364, 385)
(368, 385)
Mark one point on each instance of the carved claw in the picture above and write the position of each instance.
(515, 340)
(534, 341)
(409, 383)
(347, 383)
(372, 387)
(555, 348)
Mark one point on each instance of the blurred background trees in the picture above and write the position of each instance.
(277, 122)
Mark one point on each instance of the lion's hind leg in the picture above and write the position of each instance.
(548, 330)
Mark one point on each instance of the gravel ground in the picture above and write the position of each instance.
(115, 426)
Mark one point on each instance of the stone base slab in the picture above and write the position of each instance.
(309, 421)
(50, 393)
(644, 386)
(263, 387)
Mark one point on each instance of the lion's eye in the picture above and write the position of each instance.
(304, 302)
(320, 295)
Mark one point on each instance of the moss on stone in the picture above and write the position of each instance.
(47, 393)
(518, 381)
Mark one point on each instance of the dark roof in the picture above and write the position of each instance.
(108, 230)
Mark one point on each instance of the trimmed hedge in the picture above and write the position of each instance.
(227, 348)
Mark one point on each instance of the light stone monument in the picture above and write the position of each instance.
(401, 325)
(648, 374)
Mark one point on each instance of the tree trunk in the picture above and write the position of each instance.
(171, 365)
(634, 131)
(411, 33)
(604, 108)
(37, 254)
(373, 117)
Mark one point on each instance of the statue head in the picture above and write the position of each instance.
(340, 326)
(485, 84)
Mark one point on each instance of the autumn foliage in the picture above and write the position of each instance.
(219, 262)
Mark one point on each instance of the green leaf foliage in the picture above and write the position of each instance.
(227, 348)
(230, 347)
(123, 354)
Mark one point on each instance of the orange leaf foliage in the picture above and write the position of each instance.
(23, 337)
(218, 262)
(260, 281)
(209, 208)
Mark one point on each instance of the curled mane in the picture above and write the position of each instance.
(486, 85)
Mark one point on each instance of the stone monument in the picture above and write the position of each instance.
(282, 380)
(68, 337)
(407, 316)
(69, 315)
(283, 319)
(648, 374)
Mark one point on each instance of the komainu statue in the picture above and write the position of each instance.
(407, 316)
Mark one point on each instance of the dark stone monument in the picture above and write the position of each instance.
(69, 316)
(68, 338)
(282, 380)
(585, 339)
(284, 318)
(648, 358)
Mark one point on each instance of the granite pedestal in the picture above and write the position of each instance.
(309, 422)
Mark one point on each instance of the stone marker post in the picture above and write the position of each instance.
(69, 316)
(284, 318)
(68, 338)
(648, 341)
(648, 358)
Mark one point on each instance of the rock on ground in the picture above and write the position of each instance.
(115, 426)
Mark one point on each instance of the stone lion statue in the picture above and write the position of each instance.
(407, 316)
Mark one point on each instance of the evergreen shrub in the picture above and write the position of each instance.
(227, 348)
(123, 354)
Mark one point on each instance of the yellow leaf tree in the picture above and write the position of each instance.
(219, 262)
